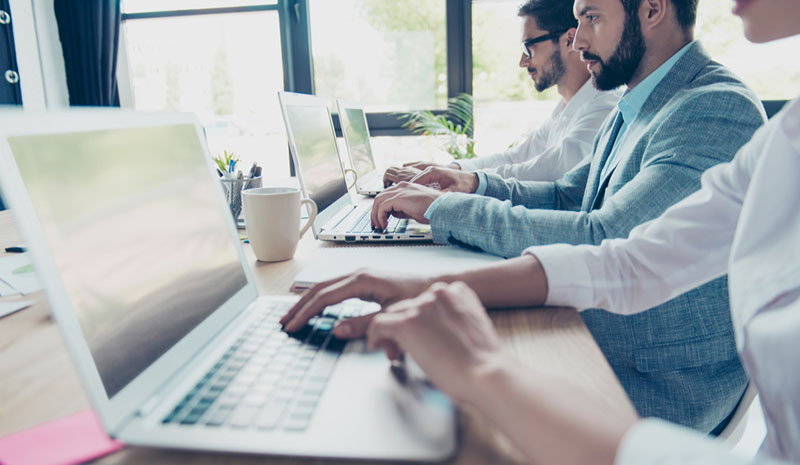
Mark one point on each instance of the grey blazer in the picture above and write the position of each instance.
(677, 361)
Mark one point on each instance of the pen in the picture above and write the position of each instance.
(15, 249)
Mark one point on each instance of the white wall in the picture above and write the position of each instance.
(39, 57)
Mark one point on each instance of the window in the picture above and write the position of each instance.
(226, 59)
(145, 6)
(389, 54)
(225, 68)
(768, 68)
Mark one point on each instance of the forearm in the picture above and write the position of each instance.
(519, 282)
(530, 194)
(547, 419)
(502, 229)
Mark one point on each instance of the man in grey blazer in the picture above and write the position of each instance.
(682, 113)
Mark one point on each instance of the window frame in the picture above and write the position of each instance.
(298, 65)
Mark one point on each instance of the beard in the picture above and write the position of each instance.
(550, 75)
(619, 69)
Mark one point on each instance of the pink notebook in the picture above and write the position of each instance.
(70, 440)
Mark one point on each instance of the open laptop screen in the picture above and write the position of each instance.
(317, 153)
(355, 127)
(134, 224)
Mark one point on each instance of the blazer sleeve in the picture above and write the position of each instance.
(705, 129)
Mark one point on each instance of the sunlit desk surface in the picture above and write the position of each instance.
(39, 383)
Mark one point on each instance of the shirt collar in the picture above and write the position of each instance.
(633, 100)
(584, 94)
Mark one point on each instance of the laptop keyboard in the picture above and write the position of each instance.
(268, 379)
(364, 225)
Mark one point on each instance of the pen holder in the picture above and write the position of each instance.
(233, 192)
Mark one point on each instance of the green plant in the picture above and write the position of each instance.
(223, 161)
(455, 123)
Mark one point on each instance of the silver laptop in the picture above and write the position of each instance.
(160, 311)
(369, 180)
(312, 141)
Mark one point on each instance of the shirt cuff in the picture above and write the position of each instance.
(482, 183)
(657, 442)
(569, 282)
(429, 212)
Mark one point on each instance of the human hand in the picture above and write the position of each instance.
(447, 332)
(404, 200)
(420, 165)
(394, 175)
(448, 180)
(423, 165)
(371, 286)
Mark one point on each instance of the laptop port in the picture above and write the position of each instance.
(350, 238)
(416, 236)
(387, 237)
(376, 237)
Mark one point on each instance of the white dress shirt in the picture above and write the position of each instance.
(744, 221)
(558, 144)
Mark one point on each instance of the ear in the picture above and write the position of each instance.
(652, 13)
(568, 39)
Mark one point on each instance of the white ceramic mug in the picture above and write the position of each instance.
(272, 219)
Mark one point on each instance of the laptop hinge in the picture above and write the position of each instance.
(148, 407)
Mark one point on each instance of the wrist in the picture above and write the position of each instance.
(488, 380)
(474, 183)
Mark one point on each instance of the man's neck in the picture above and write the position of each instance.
(655, 57)
(571, 85)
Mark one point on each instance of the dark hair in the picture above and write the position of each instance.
(685, 11)
(550, 15)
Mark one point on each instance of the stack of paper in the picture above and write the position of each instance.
(429, 260)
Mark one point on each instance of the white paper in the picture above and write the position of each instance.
(6, 290)
(329, 262)
(16, 271)
(7, 308)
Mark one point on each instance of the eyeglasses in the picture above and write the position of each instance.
(527, 44)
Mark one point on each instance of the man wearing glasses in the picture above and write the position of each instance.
(564, 139)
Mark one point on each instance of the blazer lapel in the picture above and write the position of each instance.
(609, 139)
(684, 71)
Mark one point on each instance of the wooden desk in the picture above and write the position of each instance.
(39, 383)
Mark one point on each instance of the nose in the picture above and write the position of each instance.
(580, 43)
(523, 60)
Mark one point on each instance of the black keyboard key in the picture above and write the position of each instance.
(302, 333)
(318, 338)
(336, 345)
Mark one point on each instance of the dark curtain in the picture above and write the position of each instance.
(9, 78)
(89, 33)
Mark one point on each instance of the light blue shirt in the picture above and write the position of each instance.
(630, 104)
(634, 99)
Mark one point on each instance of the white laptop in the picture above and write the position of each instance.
(369, 180)
(160, 312)
(312, 141)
